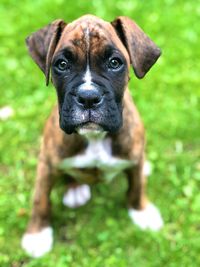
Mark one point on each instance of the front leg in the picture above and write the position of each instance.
(141, 211)
(136, 187)
(56, 146)
(38, 238)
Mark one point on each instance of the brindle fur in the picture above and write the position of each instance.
(128, 142)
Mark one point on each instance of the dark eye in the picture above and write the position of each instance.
(62, 65)
(115, 63)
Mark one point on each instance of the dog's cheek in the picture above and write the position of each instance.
(61, 93)
(118, 83)
(113, 120)
(119, 120)
(119, 87)
(69, 114)
(64, 124)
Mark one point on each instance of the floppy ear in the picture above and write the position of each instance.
(142, 51)
(42, 45)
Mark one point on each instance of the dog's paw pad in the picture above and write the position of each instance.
(37, 244)
(77, 196)
(148, 218)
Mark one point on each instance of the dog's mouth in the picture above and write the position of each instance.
(73, 119)
(91, 131)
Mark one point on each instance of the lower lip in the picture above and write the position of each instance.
(91, 131)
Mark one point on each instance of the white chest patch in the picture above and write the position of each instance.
(97, 155)
(98, 150)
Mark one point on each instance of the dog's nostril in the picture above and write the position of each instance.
(96, 100)
(80, 100)
(88, 98)
(89, 101)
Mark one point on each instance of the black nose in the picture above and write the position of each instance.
(89, 98)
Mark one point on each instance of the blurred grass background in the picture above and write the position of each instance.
(101, 234)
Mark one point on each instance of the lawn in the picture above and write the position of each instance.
(101, 234)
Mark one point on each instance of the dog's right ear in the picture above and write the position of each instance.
(42, 45)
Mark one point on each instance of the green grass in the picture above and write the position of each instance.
(101, 234)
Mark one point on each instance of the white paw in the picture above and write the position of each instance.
(77, 196)
(37, 244)
(147, 168)
(148, 218)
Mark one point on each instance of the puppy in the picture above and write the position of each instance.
(95, 130)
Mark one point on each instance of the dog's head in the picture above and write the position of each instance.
(89, 62)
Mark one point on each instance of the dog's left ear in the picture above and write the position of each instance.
(42, 44)
(142, 51)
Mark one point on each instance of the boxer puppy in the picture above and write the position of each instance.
(89, 61)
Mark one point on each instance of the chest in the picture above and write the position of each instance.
(96, 163)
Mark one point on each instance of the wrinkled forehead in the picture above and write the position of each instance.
(92, 35)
